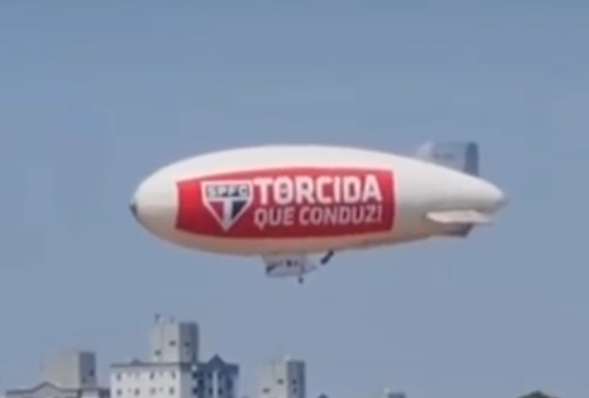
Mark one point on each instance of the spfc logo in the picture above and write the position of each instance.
(227, 200)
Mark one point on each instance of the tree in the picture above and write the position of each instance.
(537, 394)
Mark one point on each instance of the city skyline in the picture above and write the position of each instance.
(173, 354)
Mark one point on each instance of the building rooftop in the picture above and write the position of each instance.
(47, 388)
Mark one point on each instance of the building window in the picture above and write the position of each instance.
(137, 392)
(153, 391)
(280, 381)
(172, 391)
(119, 392)
(220, 391)
(173, 374)
(172, 343)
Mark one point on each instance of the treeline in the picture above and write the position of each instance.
(537, 394)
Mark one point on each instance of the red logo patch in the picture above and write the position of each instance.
(288, 203)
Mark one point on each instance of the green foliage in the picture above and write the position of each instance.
(536, 394)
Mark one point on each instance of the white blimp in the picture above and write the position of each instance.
(289, 203)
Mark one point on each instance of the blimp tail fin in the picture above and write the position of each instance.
(459, 217)
(460, 223)
(459, 155)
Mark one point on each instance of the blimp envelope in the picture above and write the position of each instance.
(295, 200)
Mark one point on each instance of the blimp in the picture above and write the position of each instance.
(295, 206)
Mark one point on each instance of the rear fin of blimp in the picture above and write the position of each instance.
(462, 156)
(458, 155)
(459, 223)
(470, 217)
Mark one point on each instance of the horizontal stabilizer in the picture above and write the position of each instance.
(470, 217)
(458, 155)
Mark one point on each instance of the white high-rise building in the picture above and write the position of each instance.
(284, 379)
(174, 342)
(151, 380)
(71, 370)
(387, 393)
(67, 374)
(174, 354)
(174, 370)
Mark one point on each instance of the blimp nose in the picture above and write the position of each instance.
(133, 208)
(152, 204)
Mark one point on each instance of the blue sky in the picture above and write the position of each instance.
(94, 98)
